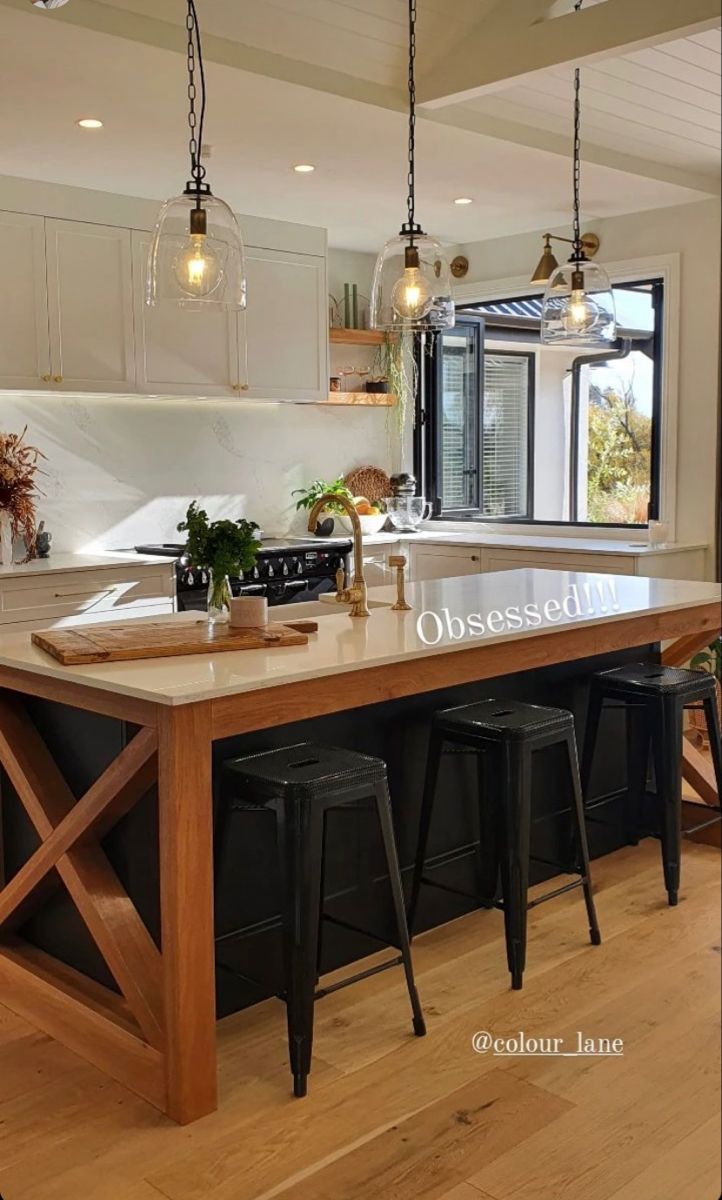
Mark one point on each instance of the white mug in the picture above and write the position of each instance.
(248, 612)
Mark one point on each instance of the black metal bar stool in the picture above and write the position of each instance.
(504, 734)
(654, 698)
(302, 784)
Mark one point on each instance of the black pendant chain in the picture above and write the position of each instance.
(196, 119)
(578, 248)
(411, 229)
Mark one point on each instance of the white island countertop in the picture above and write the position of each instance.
(511, 607)
(428, 535)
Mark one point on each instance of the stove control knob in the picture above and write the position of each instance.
(256, 573)
(299, 567)
(286, 570)
(271, 573)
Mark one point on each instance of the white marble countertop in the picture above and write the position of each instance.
(78, 562)
(428, 536)
(511, 605)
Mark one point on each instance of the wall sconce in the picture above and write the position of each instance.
(548, 264)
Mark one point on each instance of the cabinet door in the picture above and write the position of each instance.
(286, 326)
(180, 352)
(553, 560)
(445, 562)
(24, 345)
(376, 565)
(90, 307)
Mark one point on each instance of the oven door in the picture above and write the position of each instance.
(298, 591)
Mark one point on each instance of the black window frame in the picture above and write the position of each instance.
(427, 446)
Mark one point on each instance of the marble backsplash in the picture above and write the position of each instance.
(121, 471)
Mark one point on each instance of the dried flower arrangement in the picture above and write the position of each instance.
(18, 487)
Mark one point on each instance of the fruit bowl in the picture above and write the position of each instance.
(369, 524)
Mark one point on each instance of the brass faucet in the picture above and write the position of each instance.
(356, 595)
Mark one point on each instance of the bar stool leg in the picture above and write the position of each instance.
(637, 763)
(301, 846)
(433, 763)
(667, 731)
(487, 862)
(715, 739)
(383, 804)
(581, 838)
(515, 837)
(591, 730)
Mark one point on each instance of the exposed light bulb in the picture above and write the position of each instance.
(197, 267)
(582, 313)
(412, 298)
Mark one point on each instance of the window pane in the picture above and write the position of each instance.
(459, 419)
(615, 442)
(506, 435)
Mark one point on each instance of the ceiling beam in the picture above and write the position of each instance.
(506, 49)
(550, 142)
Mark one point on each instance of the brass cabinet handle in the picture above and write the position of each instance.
(57, 378)
(46, 378)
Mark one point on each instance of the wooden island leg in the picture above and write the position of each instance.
(185, 798)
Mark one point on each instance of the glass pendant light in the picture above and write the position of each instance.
(412, 282)
(579, 307)
(197, 258)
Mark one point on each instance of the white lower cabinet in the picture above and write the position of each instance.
(558, 560)
(444, 562)
(53, 598)
(377, 571)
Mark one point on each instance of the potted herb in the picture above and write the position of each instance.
(314, 491)
(223, 548)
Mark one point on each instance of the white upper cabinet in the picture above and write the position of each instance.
(286, 326)
(90, 307)
(24, 350)
(76, 320)
(178, 351)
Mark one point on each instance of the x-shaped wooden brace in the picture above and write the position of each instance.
(70, 831)
(696, 769)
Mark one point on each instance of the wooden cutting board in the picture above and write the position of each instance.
(88, 644)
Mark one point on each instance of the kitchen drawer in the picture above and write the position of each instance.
(444, 562)
(81, 593)
(558, 560)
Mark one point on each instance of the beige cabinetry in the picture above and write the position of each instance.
(47, 598)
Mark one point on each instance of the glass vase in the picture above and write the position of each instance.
(6, 538)
(219, 598)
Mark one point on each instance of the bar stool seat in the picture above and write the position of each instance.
(504, 735)
(301, 784)
(654, 698)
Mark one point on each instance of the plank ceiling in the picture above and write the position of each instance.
(662, 104)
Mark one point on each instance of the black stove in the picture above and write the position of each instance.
(287, 571)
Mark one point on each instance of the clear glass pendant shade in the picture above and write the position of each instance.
(197, 261)
(412, 286)
(579, 307)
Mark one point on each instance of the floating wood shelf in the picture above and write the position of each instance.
(361, 399)
(357, 337)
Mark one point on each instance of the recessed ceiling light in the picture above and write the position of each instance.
(90, 123)
(304, 169)
(464, 200)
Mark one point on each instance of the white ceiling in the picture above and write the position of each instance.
(54, 69)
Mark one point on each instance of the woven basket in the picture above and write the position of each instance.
(371, 482)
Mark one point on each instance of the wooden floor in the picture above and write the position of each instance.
(394, 1118)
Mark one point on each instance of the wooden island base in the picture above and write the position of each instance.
(158, 1037)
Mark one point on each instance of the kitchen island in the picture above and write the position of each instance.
(84, 750)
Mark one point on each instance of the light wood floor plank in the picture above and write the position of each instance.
(73, 1133)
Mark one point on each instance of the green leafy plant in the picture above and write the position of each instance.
(319, 487)
(710, 659)
(223, 547)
